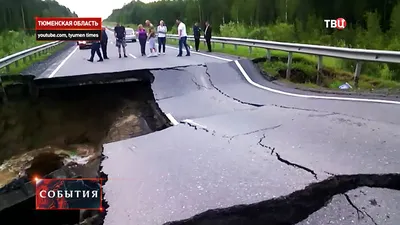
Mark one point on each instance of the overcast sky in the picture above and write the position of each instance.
(95, 8)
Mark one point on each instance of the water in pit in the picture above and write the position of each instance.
(67, 126)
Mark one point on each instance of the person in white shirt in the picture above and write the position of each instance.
(182, 38)
(162, 36)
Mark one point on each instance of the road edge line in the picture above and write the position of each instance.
(63, 62)
(211, 56)
(171, 119)
(248, 79)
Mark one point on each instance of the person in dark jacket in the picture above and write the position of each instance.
(196, 34)
(103, 42)
(120, 33)
(207, 35)
(95, 49)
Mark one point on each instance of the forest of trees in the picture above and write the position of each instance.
(20, 14)
(256, 12)
(304, 19)
(371, 24)
(17, 22)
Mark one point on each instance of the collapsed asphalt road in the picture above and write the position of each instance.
(236, 144)
(49, 125)
(236, 149)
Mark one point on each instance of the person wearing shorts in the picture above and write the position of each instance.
(152, 43)
(119, 33)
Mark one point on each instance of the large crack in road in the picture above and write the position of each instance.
(64, 125)
(295, 207)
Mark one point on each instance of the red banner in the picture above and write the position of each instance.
(68, 23)
(68, 194)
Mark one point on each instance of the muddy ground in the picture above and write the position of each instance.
(69, 125)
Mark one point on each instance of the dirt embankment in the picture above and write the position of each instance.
(72, 122)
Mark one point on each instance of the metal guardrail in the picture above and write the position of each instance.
(28, 53)
(359, 55)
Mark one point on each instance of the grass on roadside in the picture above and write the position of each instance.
(9, 45)
(304, 68)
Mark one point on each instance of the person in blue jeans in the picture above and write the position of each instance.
(182, 38)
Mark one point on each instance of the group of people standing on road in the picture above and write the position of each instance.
(207, 35)
(149, 36)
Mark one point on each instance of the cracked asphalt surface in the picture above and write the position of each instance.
(236, 144)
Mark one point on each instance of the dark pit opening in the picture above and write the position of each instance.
(25, 213)
(65, 117)
(44, 164)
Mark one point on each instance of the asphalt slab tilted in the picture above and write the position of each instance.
(242, 154)
(237, 144)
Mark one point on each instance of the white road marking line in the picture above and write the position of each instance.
(133, 56)
(62, 63)
(172, 119)
(246, 76)
(199, 53)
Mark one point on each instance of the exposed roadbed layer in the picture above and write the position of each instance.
(237, 144)
(58, 118)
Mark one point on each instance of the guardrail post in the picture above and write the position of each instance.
(250, 50)
(235, 47)
(269, 55)
(357, 73)
(7, 68)
(223, 45)
(289, 65)
(319, 68)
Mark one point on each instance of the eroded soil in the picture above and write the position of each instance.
(72, 123)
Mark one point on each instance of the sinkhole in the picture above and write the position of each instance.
(64, 124)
